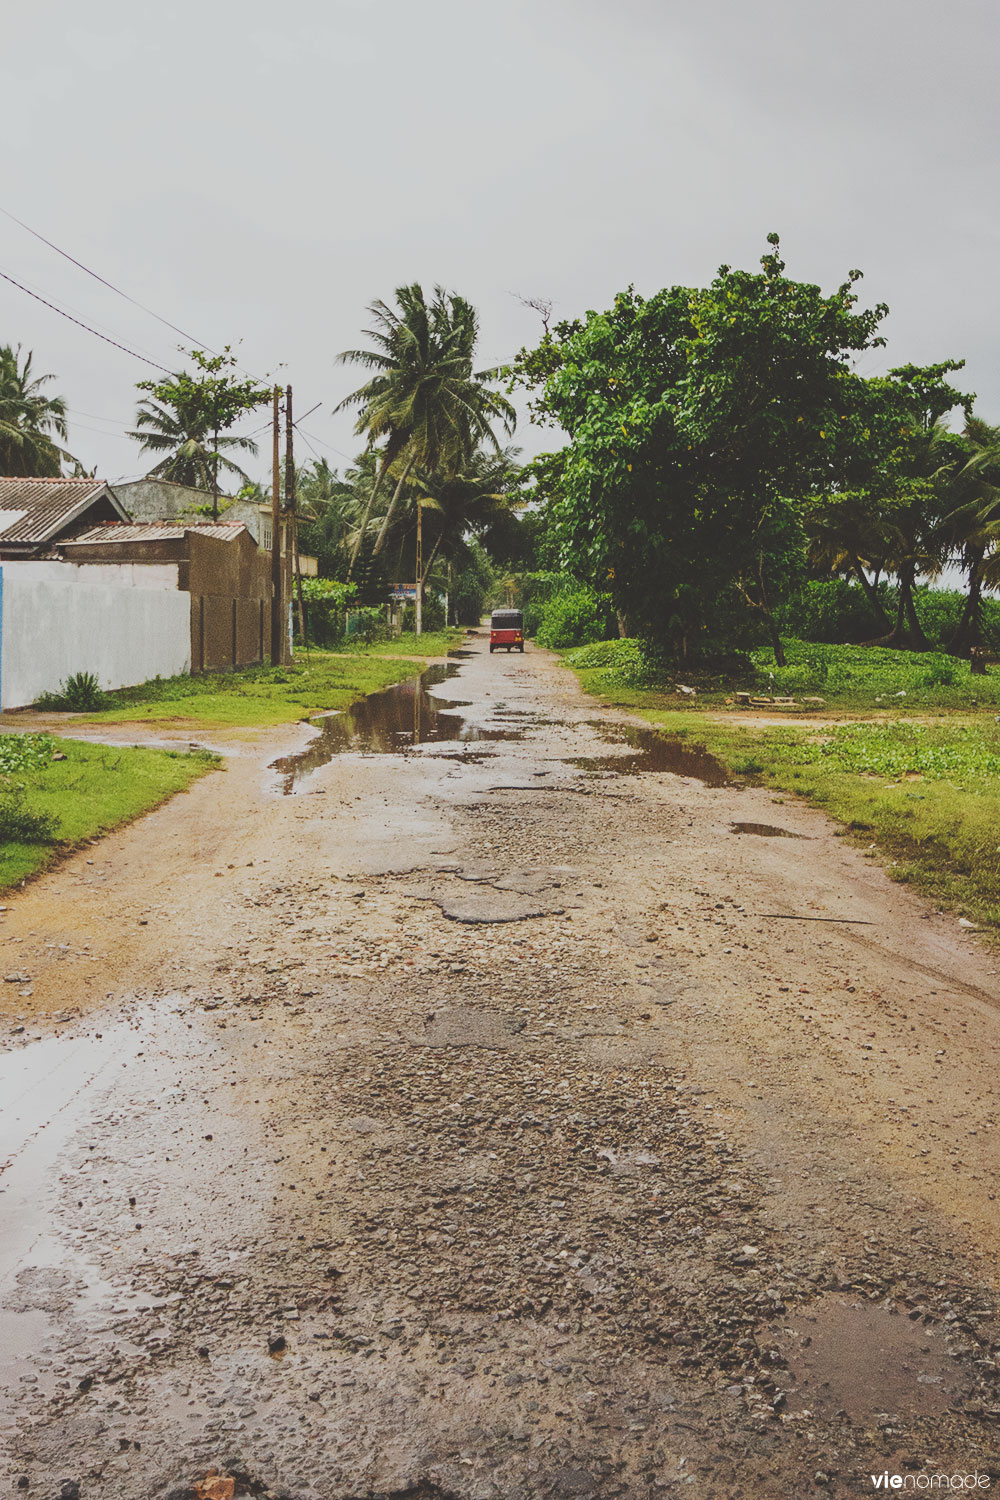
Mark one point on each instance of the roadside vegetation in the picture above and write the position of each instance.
(262, 696)
(56, 794)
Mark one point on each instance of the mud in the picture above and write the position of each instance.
(680, 1182)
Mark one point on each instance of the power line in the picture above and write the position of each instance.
(80, 324)
(339, 451)
(110, 285)
(189, 337)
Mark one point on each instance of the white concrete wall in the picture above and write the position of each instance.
(125, 622)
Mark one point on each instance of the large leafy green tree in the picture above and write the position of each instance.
(186, 418)
(692, 415)
(425, 403)
(30, 420)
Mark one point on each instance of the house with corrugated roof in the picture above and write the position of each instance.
(83, 589)
(35, 514)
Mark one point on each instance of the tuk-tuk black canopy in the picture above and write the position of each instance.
(507, 619)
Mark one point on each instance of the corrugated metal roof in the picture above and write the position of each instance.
(158, 531)
(46, 505)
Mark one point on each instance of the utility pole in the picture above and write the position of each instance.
(420, 569)
(276, 589)
(292, 511)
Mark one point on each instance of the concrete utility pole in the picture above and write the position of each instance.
(420, 568)
(276, 589)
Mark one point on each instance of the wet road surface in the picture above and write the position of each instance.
(453, 1099)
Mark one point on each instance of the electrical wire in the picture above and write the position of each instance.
(109, 284)
(189, 337)
(339, 451)
(80, 324)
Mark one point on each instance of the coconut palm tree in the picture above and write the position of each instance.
(29, 420)
(330, 506)
(181, 430)
(974, 527)
(468, 500)
(843, 536)
(424, 403)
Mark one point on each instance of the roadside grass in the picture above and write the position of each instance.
(848, 679)
(924, 796)
(65, 803)
(262, 696)
(431, 643)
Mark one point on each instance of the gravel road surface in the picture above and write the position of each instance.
(478, 1098)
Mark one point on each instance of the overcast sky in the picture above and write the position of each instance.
(262, 172)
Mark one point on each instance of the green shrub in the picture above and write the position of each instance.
(574, 620)
(538, 590)
(628, 662)
(18, 824)
(326, 604)
(80, 693)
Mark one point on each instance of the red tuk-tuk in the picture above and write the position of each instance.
(507, 630)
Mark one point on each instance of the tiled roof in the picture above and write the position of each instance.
(158, 531)
(33, 510)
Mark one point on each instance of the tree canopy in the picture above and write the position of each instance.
(186, 418)
(692, 415)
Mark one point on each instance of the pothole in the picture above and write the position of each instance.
(387, 723)
(766, 831)
(648, 750)
(864, 1358)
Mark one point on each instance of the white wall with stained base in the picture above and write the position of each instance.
(125, 622)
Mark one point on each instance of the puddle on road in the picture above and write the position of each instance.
(46, 1089)
(402, 717)
(649, 750)
(386, 723)
(865, 1359)
(766, 831)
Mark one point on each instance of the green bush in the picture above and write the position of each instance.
(326, 605)
(538, 590)
(832, 610)
(80, 693)
(574, 620)
(627, 661)
(18, 824)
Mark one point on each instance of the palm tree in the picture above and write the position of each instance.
(28, 419)
(974, 528)
(181, 431)
(844, 537)
(330, 505)
(424, 402)
(469, 500)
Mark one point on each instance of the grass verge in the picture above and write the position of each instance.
(61, 804)
(924, 796)
(833, 680)
(261, 696)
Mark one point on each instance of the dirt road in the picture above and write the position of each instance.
(523, 1113)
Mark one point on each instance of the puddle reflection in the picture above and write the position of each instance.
(386, 723)
(648, 750)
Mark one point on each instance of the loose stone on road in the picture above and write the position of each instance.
(450, 1102)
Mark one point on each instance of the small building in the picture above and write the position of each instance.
(217, 563)
(36, 514)
(130, 602)
(153, 499)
